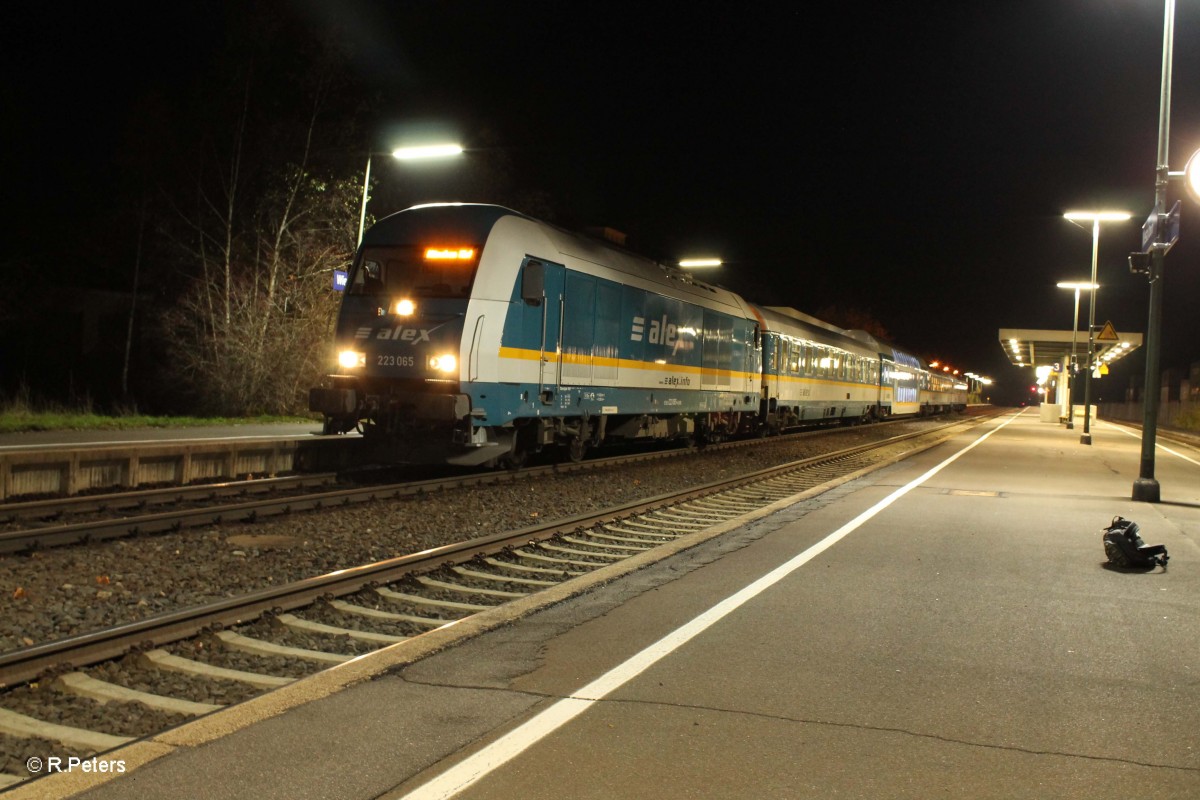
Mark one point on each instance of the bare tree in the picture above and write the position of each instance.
(268, 226)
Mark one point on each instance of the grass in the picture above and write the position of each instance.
(18, 413)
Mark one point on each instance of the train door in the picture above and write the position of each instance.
(886, 387)
(878, 367)
(542, 286)
(579, 329)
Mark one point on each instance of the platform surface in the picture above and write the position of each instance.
(921, 634)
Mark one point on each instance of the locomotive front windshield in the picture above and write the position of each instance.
(416, 271)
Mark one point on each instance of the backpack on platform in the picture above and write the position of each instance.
(1125, 548)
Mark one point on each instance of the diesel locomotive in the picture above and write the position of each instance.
(473, 334)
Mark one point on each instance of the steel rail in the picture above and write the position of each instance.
(138, 498)
(16, 541)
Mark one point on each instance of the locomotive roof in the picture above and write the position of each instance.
(605, 254)
(454, 219)
(478, 219)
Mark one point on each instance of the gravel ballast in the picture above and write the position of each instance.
(67, 591)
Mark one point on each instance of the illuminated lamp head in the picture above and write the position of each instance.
(405, 307)
(351, 359)
(445, 363)
(1191, 176)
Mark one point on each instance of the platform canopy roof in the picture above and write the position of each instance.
(1028, 347)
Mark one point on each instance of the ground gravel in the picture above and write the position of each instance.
(66, 591)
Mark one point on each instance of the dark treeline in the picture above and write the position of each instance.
(203, 282)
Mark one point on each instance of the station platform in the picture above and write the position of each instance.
(942, 627)
(70, 439)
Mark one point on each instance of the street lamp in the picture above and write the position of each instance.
(1077, 286)
(403, 154)
(1095, 217)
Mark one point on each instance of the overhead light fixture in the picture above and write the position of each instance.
(428, 151)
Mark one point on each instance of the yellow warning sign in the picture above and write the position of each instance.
(1108, 334)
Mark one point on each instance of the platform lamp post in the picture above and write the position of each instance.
(1095, 217)
(1145, 486)
(1077, 286)
(402, 154)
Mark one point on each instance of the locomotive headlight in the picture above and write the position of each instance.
(405, 307)
(443, 363)
(351, 359)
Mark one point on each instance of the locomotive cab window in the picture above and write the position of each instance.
(419, 271)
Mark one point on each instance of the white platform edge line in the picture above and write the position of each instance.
(512, 744)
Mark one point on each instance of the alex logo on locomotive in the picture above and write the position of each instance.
(661, 331)
(397, 334)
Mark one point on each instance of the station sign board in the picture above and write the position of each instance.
(1165, 239)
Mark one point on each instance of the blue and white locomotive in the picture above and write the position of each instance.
(473, 334)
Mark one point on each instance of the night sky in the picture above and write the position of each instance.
(910, 160)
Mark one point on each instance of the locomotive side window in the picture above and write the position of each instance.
(415, 270)
(533, 282)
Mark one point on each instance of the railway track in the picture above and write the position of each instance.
(136, 513)
(89, 693)
(119, 514)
